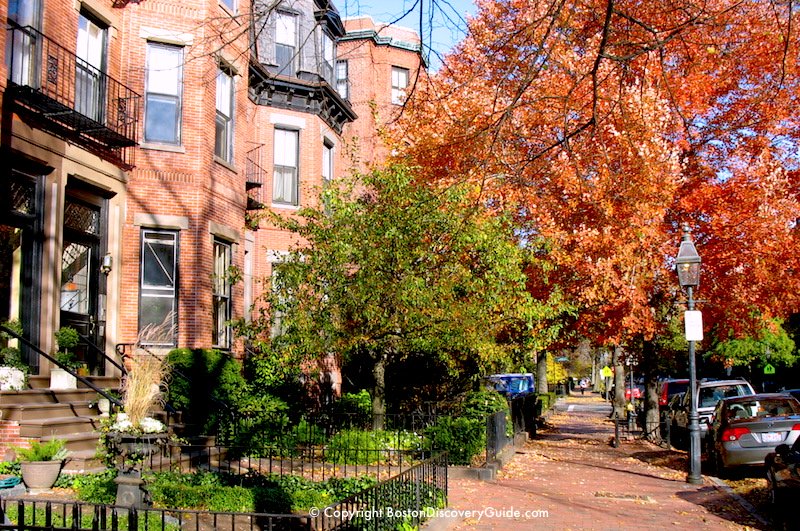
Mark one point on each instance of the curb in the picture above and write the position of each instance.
(721, 485)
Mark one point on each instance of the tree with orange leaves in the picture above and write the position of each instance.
(604, 124)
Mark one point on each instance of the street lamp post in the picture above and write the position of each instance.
(687, 264)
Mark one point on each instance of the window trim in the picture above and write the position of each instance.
(178, 127)
(343, 83)
(291, 67)
(226, 120)
(176, 282)
(221, 331)
(296, 178)
(397, 90)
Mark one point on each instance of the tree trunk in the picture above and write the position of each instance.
(379, 392)
(649, 365)
(541, 372)
(618, 400)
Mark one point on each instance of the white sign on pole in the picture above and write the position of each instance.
(693, 319)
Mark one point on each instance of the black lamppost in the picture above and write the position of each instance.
(687, 264)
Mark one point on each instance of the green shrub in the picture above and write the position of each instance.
(97, 488)
(364, 447)
(462, 437)
(355, 407)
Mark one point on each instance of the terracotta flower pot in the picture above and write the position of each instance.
(40, 474)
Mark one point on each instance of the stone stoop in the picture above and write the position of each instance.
(43, 414)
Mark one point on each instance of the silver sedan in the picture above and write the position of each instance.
(744, 429)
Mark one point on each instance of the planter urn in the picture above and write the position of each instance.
(40, 475)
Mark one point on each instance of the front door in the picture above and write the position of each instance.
(82, 303)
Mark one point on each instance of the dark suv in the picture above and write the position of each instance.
(709, 392)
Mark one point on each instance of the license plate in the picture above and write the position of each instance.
(771, 437)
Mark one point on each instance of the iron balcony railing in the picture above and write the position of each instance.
(255, 176)
(70, 97)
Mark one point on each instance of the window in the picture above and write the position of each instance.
(284, 177)
(342, 82)
(230, 4)
(89, 69)
(23, 44)
(328, 55)
(162, 105)
(399, 84)
(223, 139)
(327, 162)
(158, 287)
(220, 335)
(285, 43)
(281, 296)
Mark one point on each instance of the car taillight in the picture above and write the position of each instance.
(796, 427)
(733, 434)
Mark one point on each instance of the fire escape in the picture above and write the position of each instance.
(51, 87)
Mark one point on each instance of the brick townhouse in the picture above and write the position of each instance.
(140, 138)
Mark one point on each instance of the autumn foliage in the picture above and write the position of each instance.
(603, 125)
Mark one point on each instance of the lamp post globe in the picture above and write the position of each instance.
(687, 265)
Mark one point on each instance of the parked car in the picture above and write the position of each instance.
(513, 385)
(709, 392)
(794, 392)
(745, 429)
(671, 387)
(783, 477)
(634, 393)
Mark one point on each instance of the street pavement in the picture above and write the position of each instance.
(570, 477)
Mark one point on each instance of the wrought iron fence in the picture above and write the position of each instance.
(406, 498)
(634, 426)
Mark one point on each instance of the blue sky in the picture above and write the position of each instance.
(443, 20)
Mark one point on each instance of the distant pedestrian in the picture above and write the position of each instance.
(583, 386)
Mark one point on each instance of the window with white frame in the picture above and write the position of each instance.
(221, 310)
(163, 88)
(158, 286)
(328, 56)
(399, 84)
(285, 43)
(230, 4)
(327, 162)
(285, 182)
(223, 138)
(342, 81)
(281, 298)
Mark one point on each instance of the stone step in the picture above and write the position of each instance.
(102, 382)
(46, 396)
(83, 462)
(77, 442)
(57, 426)
(24, 412)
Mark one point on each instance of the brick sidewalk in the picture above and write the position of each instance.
(569, 477)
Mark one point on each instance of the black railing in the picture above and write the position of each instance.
(75, 99)
(402, 502)
(405, 499)
(101, 354)
(255, 177)
(40, 515)
(42, 354)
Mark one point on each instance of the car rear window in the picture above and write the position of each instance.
(709, 396)
(769, 407)
(673, 388)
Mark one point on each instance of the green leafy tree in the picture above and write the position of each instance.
(772, 344)
(388, 268)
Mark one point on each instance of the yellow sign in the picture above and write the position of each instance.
(769, 369)
(606, 372)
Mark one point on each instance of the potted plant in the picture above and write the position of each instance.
(13, 371)
(41, 464)
(67, 338)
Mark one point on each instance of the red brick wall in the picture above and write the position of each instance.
(9, 436)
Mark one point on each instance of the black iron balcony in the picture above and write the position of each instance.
(67, 96)
(254, 178)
